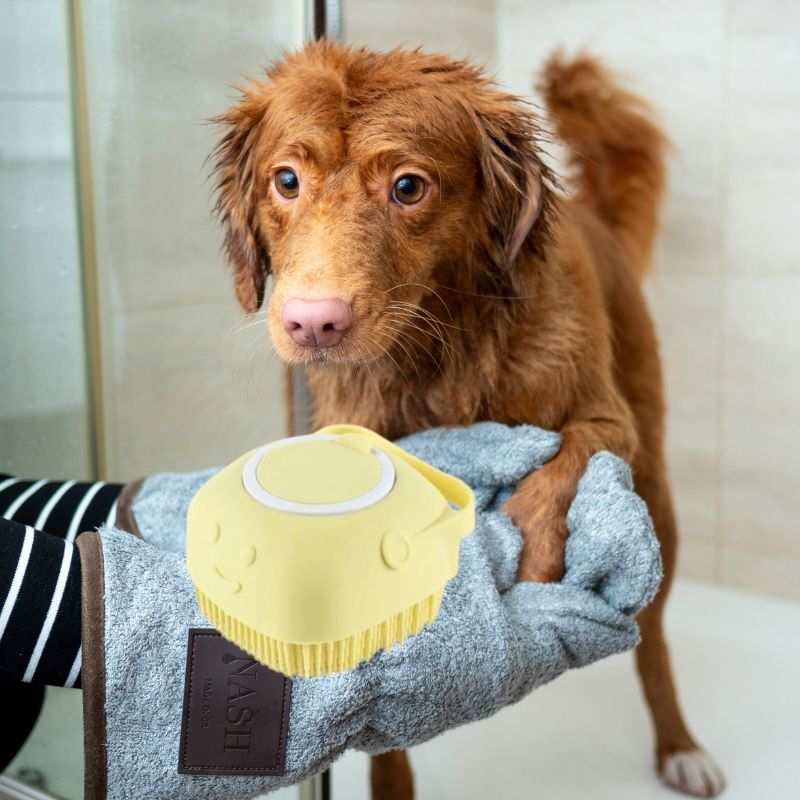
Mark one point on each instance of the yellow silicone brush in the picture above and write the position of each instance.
(313, 553)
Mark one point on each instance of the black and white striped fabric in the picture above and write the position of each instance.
(61, 508)
(40, 578)
(40, 616)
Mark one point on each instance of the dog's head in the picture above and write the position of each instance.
(364, 181)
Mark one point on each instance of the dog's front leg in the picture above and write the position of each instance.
(540, 503)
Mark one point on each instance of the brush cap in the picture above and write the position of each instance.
(317, 538)
(319, 474)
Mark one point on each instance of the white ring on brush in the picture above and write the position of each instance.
(365, 500)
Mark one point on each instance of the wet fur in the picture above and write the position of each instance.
(499, 299)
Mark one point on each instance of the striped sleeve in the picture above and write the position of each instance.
(40, 607)
(40, 574)
(62, 508)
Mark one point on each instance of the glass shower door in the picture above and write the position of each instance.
(123, 352)
(45, 420)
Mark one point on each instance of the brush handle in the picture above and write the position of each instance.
(458, 524)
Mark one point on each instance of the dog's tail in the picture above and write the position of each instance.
(615, 145)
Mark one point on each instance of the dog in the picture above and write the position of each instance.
(429, 270)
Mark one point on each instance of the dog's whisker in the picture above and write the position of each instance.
(250, 357)
(423, 312)
(252, 349)
(362, 361)
(245, 353)
(447, 347)
(415, 307)
(240, 325)
(403, 335)
(427, 335)
(429, 319)
(388, 353)
(432, 322)
(427, 288)
(444, 351)
(398, 341)
(404, 320)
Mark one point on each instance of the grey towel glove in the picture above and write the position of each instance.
(492, 643)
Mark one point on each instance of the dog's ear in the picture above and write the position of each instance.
(513, 177)
(235, 172)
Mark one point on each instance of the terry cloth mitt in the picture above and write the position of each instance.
(493, 642)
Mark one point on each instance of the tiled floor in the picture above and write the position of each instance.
(586, 735)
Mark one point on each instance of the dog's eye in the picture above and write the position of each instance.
(408, 189)
(287, 184)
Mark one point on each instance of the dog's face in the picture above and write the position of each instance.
(362, 181)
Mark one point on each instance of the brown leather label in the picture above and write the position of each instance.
(235, 711)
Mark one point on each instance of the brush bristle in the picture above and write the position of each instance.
(313, 660)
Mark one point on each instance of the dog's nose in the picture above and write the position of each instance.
(316, 323)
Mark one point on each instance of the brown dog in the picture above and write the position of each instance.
(428, 272)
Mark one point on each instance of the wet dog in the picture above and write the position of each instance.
(428, 271)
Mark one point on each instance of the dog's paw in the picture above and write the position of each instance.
(693, 772)
(538, 508)
(543, 535)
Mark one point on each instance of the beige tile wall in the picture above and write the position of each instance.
(459, 27)
(725, 290)
(726, 285)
